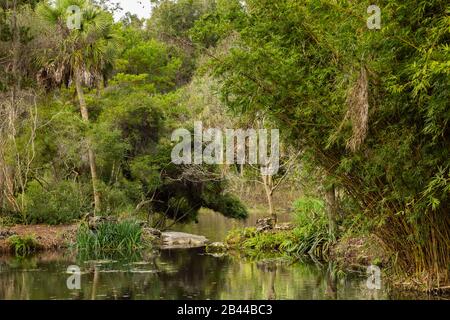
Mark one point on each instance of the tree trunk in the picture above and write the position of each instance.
(2, 184)
(9, 186)
(8, 173)
(330, 196)
(91, 154)
(268, 187)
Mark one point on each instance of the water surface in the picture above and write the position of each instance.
(176, 274)
(182, 274)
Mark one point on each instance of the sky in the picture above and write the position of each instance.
(141, 8)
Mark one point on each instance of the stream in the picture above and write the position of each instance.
(180, 274)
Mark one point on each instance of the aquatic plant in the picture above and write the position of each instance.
(125, 236)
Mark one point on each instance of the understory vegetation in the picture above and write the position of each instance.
(310, 234)
(87, 114)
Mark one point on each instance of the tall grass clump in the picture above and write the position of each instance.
(311, 234)
(110, 237)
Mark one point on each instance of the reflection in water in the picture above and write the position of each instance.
(331, 291)
(94, 284)
(270, 269)
(181, 274)
(175, 274)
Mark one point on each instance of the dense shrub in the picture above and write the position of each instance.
(116, 199)
(61, 203)
(227, 204)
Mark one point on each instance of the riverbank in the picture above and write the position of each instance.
(54, 238)
(354, 253)
(347, 254)
(46, 237)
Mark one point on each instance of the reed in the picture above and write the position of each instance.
(124, 236)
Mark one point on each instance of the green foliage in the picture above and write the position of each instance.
(138, 121)
(120, 198)
(132, 109)
(367, 109)
(109, 146)
(302, 63)
(237, 236)
(267, 242)
(261, 244)
(23, 245)
(84, 54)
(7, 221)
(312, 232)
(125, 236)
(218, 24)
(227, 204)
(153, 59)
(171, 22)
(61, 203)
(311, 240)
(308, 207)
(180, 199)
(175, 18)
(310, 235)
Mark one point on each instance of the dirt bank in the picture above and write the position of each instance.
(47, 237)
(358, 252)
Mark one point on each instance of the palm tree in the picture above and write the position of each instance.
(79, 56)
